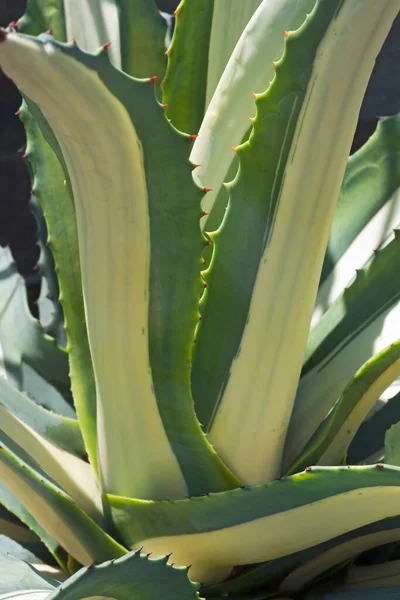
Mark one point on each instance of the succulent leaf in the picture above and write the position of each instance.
(258, 282)
(54, 510)
(361, 323)
(16, 575)
(142, 33)
(9, 504)
(248, 70)
(166, 287)
(23, 344)
(368, 210)
(260, 523)
(185, 83)
(370, 437)
(60, 430)
(71, 473)
(58, 206)
(134, 576)
(331, 440)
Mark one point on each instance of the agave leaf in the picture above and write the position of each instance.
(51, 315)
(16, 575)
(185, 83)
(22, 342)
(392, 445)
(120, 338)
(41, 15)
(330, 442)
(142, 33)
(71, 473)
(60, 430)
(227, 116)
(361, 323)
(340, 553)
(368, 210)
(370, 437)
(258, 282)
(272, 574)
(21, 514)
(59, 211)
(132, 576)
(256, 524)
(205, 34)
(54, 510)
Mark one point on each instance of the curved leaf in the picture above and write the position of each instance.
(149, 321)
(61, 518)
(368, 210)
(361, 323)
(58, 206)
(60, 430)
(16, 575)
(370, 437)
(330, 442)
(261, 523)
(22, 342)
(248, 70)
(132, 577)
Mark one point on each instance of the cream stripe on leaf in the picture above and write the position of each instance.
(284, 197)
(262, 523)
(56, 512)
(71, 473)
(248, 70)
(361, 323)
(330, 442)
(141, 298)
(367, 211)
(60, 430)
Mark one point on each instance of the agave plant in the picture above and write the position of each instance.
(221, 338)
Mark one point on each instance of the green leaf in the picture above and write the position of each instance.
(132, 577)
(16, 575)
(71, 473)
(60, 430)
(142, 38)
(185, 83)
(41, 15)
(117, 314)
(58, 207)
(51, 315)
(14, 506)
(372, 177)
(361, 323)
(331, 440)
(248, 70)
(54, 510)
(22, 342)
(260, 523)
(392, 445)
(269, 250)
(370, 438)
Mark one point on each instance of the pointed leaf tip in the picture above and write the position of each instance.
(106, 46)
(153, 79)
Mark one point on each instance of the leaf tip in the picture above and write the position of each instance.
(105, 47)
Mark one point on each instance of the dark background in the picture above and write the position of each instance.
(17, 225)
